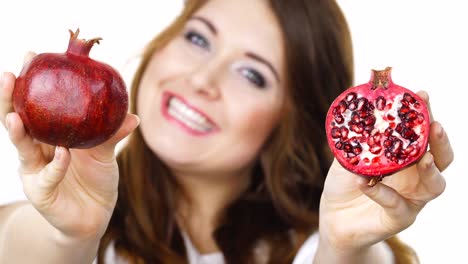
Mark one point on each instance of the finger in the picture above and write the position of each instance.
(433, 182)
(28, 57)
(391, 201)
(28, 151)
(425, 96)
(105, 152)
(52, 174)
(440, 146)
(7, 84)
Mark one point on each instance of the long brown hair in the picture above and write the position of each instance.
(288, 179)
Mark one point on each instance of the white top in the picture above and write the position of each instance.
(305, 255)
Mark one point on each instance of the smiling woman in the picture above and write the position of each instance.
(227, 158)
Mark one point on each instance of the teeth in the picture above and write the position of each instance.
(188, 116)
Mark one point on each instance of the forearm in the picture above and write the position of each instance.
(26, 237)
(377, 253)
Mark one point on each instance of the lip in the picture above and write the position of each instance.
(166, 96)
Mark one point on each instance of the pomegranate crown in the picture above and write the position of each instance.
(381, 78)
(80, 47)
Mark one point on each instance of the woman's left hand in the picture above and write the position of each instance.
(355, 216)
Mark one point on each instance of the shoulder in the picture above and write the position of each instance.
(6, 210)
(111, 257)
(306, 252)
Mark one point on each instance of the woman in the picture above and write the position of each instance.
(229, 161)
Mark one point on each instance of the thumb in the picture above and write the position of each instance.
(52, 174)
(28, 57)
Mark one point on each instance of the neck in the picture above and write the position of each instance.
(202, 203)
(206, 197)
(203, 198)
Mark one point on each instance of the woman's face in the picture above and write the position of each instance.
(209, 100)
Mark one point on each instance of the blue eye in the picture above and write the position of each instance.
(197, 39)
(254, 77)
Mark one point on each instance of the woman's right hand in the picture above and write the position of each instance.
(75, 190)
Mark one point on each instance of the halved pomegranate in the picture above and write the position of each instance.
(377, 128)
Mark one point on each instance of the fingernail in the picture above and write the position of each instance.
(429, 161)
(138, 120)
(1, 79)
(58, 153)
(440, 131)
(7, 122)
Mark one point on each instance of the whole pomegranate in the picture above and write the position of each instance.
(68, 99)
(377, 128)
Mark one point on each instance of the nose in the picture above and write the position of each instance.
(205, 79)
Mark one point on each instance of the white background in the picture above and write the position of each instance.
(424, 41)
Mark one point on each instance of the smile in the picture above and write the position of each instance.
(192, 120)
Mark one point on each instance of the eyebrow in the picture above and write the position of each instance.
(264, 61)
(251, 55)
(207, 23)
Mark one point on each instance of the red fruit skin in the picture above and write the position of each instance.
(70, 100)
(383, 167)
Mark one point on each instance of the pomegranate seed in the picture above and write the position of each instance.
(344, 132)
(387, 143)
(407, 133)
(335, 132)
(354, 160)
(408, 149)
(355, 117)
(357, 128)
(376, 160)
(342, 106)
(388, 132)
(420, 119)
(364, 114)
(397, 146)
(351, 96)
(352, 106)
(392, 125)
(412, 115)
(380, 103)
(375, 149)
(339, 119)
(370, 120)
(388, 106)
(366, 160)
(403, 111)
(407, 97)
(357, 150)
(339, 145)
(399, 128)
(414, 152)
(377, 137)
(361, 103)
(347, 147)
(390, 117)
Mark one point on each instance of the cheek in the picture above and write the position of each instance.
(253, 127)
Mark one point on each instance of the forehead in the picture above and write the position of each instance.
(247, 24)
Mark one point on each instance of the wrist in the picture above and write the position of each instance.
(67, 241)
(330, 254)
